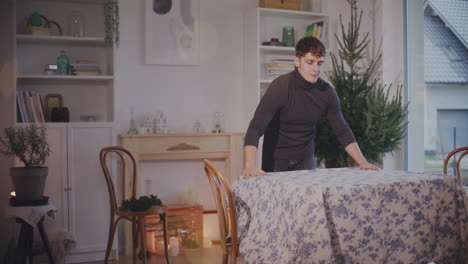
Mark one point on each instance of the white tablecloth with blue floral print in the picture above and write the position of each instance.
(350, 216)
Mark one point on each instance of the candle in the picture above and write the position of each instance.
(160, 247)
(173, 250)
(174, 241)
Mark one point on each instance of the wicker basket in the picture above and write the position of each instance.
(281, 4)
(30, 30)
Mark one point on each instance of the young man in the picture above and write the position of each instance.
(288, 113)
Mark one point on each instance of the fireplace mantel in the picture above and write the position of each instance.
(154, 147)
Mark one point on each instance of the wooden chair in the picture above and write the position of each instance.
(136, 218)
(447, 159)
(226, 211)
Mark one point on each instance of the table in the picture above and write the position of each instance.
(28, 217)
(350, 216)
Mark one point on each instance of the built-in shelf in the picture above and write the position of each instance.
(265, 81)
(88, 2)
(63, 77)
(284, 13)
(59, 39)
(276, 48)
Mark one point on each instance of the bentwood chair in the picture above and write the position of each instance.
(137, 218)
(226, 211)
(453, 152)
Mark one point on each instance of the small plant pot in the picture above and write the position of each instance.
(29, 183)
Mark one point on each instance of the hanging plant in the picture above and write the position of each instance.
(111, 21)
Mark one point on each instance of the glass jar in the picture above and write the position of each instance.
(63, 63)
(76, 24)
(288, 36)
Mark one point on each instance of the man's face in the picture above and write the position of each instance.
(309, 66)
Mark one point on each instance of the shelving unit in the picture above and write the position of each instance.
(75, 178)
(262, 24)
(84, 95)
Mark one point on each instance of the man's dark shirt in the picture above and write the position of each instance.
(288, 113)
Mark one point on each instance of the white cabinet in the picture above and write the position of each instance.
(84, 95)
(76, 186)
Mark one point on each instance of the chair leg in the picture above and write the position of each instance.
(165, 236)
(135, 231)
(141, 225)
(110, 239)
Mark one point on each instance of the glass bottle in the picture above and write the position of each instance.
(218, 123)
(133, 129)
(63, 63)
(76, 24)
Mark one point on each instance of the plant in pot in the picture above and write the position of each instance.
(29, 145)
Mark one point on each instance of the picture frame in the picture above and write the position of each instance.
(172, 34)
(52, 101)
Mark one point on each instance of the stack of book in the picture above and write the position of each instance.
(30, 108)
(316, 30)
(86, 67)
(279, 66)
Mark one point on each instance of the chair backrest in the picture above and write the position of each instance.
(226, 211)
(453, 152)
(123, 156)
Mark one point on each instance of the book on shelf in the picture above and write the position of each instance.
(30, 107)
(21, 113)
(279, 66)
(316, 30)
(86, 67)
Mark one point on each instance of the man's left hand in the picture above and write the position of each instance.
(367, 166)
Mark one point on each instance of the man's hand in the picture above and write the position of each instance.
(367, 166)
(252, 172)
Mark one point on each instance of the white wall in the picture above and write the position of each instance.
(393, 63)
(188, 93)
(184, 93)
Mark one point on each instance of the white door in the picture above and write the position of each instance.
(89, 202)
(56, 183)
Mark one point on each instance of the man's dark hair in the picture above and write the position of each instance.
(310, 44)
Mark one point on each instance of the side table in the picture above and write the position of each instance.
(28, 217)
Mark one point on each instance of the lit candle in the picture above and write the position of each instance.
(174, 241)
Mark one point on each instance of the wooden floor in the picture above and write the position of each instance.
(193, 256)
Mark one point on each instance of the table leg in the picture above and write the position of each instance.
(20, 255)
(29, 243)
(45, 240)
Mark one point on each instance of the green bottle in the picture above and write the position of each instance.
(63, 63)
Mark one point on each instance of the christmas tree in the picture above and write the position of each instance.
(376, 119)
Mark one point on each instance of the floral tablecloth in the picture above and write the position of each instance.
(351, 216)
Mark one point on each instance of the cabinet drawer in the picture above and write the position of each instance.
(176, 144)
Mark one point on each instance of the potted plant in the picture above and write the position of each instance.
(29, 145)
(376, 119)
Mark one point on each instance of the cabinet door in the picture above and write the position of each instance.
(56, 184)
(89, 201)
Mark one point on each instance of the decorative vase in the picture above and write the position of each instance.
(29, 182)
(63, 63)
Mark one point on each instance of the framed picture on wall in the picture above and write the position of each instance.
(172, 32)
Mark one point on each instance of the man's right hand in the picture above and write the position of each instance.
(252, 172)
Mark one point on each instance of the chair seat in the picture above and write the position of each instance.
(157, 210)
